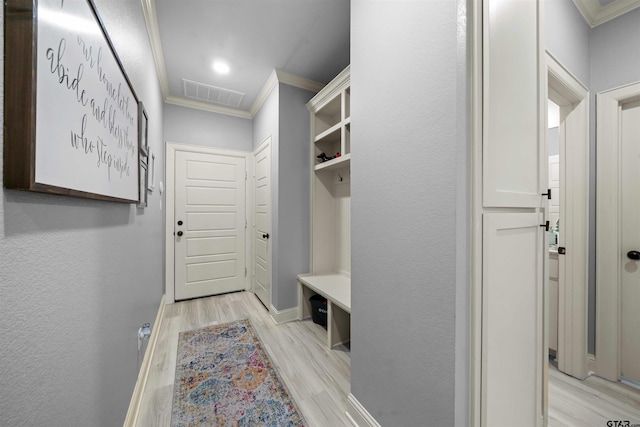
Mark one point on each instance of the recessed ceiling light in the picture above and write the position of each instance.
(221, 67)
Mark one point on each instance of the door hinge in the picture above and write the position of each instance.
(545, 225)
(245, 272)
(245, 224)
(548, 194)
(245, 177)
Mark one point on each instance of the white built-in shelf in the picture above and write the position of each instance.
(334, 287)
(337, 163)
(332, 134)
(330, 209)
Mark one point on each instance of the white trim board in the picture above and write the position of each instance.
(131, 419)
(170, 151)
(276, 76)
(283, 316)
(358, 415)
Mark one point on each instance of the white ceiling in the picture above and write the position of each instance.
(305, 38)
(306, 41)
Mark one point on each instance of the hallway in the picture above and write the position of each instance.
(318, 378)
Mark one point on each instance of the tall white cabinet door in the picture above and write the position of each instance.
(511, 104)
(512, 331)
(210, 218)
(512, 366)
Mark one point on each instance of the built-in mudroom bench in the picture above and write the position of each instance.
(330, 272)
(336, 289)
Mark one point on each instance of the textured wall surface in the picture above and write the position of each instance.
(79, 277)
(197, 127)
(404, 184)
(293, 201)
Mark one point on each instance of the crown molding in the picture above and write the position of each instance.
(595, 14)
(267, 87)
(299, 82)
(151, 22)
(276, 76)
(205, 106)
(334, 87)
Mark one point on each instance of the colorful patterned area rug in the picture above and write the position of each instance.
(224, 377)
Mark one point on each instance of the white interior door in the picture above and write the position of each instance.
(262, 224)
(210, 224)
(630, 241)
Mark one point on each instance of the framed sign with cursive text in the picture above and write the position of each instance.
(71, 114)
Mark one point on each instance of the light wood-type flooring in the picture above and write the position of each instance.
(590, 403)
(318, 378)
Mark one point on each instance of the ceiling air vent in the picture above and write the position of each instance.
(211, 94)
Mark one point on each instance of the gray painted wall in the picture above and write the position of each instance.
(79, 277)
(406, 110)
(294, 195)
(285, 118)
(567, 37)
(197, 127)
(615, 62)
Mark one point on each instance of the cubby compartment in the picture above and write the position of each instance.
(347, 103)
(329, 144)
(328, 116)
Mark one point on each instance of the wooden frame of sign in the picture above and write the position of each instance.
(71, 114)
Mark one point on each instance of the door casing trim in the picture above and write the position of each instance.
(573, 96)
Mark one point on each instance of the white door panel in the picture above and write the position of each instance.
(262, 225)
(511, 104)
(512, 325)
(210, 202)
(630, 241)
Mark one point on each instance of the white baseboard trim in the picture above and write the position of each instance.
(136, 399)
(286, 315)
(358, 415)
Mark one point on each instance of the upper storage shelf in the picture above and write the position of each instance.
(331, 123)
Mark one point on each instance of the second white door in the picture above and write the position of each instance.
(210, 224)
(630, 289)
(262, 224)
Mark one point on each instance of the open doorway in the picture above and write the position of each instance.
(568, 139)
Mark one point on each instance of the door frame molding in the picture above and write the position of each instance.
(572, 97)
(170, 154)
(608, 228)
